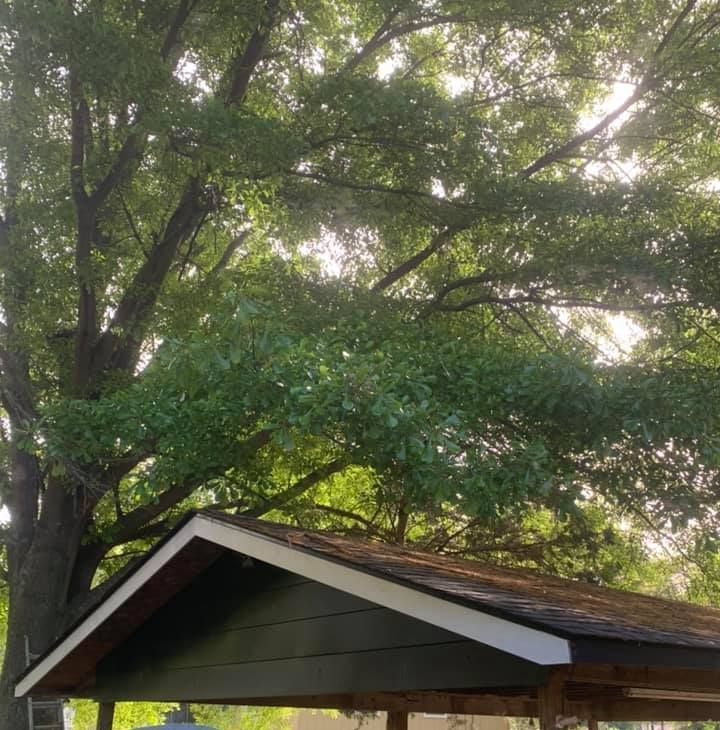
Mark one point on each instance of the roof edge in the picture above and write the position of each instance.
(162, 553)
(527, 643)
(534, 645)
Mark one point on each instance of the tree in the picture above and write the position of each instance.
(169, 168)
(128, 716)
(252, 718)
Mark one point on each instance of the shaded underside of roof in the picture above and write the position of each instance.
(568, 608)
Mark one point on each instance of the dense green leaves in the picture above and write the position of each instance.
(449, 417)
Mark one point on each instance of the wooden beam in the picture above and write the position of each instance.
(646, 710)
(397, 720)
(654, 677)
(455, 703)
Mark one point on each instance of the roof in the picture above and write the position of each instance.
(538, 618)
(569, 608)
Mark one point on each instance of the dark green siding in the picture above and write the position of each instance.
(251, 630)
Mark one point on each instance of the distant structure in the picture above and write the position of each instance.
(176, 726)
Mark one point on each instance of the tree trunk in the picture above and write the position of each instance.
(38, 596)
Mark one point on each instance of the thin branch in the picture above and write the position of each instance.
(638, 512)
(563, 151)
(521, 315)
(130, 152)
(386, 34)
(646, 84)
(227, 254)
(369, 187)
(133, 227)
(567, 302)
(368, 524)
(298, 488)
(437, 242)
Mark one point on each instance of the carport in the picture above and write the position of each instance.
(238, 611)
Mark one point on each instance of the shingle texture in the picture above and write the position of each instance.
(568, 608)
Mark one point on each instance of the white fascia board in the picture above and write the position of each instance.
(521, 641)
(108, 607)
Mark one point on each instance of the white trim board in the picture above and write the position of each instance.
(527, 643)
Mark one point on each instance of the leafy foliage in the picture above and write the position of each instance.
(128, 715)
(252, 718)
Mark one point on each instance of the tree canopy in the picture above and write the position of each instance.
(355, 265)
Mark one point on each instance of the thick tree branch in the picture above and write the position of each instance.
(119, 345)
(86, 331)
(485, 277)
(374, 43)
(78, 122)
(673, 29)
(133, 148)
(130, 152)
(172, 39)
(245, 64)
(26, 480)
(134, 524)
(15, 389)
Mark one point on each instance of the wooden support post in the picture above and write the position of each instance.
(397, 720)
(106, 715)
(551, 701)
(592, 724)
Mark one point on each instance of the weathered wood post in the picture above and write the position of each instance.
(397, 720)
(551, 702)
(106, 715)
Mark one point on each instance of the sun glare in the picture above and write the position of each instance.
(625, 335)
(621, 91)
(626, 169)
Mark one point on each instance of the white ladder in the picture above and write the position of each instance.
(44, 713)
